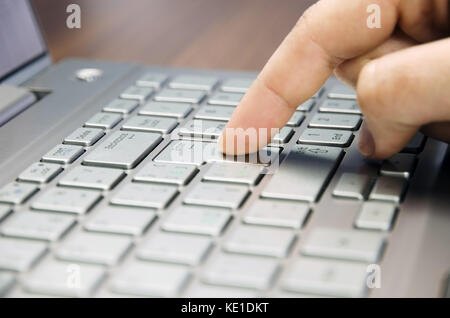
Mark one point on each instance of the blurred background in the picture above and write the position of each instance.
(224, 34)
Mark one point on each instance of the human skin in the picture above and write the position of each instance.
(401, 73)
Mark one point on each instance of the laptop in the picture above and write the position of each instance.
(111, 185)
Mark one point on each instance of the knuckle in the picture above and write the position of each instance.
(307, 22)
(381, 92)
(305, 17)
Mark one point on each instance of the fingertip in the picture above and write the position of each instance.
(366, 143)
(239, 141)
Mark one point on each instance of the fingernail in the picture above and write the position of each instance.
(366, 143)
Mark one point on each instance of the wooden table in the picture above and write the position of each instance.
(226, 34)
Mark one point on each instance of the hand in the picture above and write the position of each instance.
(401, 72)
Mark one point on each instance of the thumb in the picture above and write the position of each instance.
(400, 92)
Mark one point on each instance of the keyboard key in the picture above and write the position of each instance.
(123, 149)
(329, 137)
(259, 241)
(200, 290)
(283, 136)
(139, 93)
(416, 145)
(240, 271)
(17, 193)
(66, 200)
(217, 194)
(84, 136)
(337, 121)
(37, 225)
(340, 106)
(92, 177)
(120, 220)
(6, 282)
(103, 120)
(264, 157)
(388, 189)
(226, 99)
(237, 85)
(196, 220)
(150, 279)
(179, 174)
(352, 185)
(376, 216)
(194, 82)
(20, 255)
(303, 174)
(63, 154)
(4, 211)
(400, 165)
(174, 248)
(178, 110)
(277, 213)
(202, 128)
(215, 113)
(40, 172)
(94, 248)
(150, 123)
(186, 152)
(180, 95)
(326, 277)
(306, 106)
(63, 279)
(234, 172)
(152, 79)
(342, 91)
(296, 119)
(344, 244)
(145, 195)
(121, 106)
(198, 152)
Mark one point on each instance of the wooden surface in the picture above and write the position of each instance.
(225, 34)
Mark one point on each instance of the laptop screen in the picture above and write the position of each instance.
(20, 38)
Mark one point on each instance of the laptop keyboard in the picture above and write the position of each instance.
(111, 212)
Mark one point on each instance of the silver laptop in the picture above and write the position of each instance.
(111, 185)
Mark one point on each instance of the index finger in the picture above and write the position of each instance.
(328, 33)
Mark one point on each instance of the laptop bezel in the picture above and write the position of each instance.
(32, 67)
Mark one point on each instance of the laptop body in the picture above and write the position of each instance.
(103, 194)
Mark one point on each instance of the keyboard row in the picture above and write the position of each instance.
(302, 176)
(234, 265)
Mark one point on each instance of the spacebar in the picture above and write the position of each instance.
(304, 174)
(123, 149)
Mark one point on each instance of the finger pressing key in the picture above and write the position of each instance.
(316, 45)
